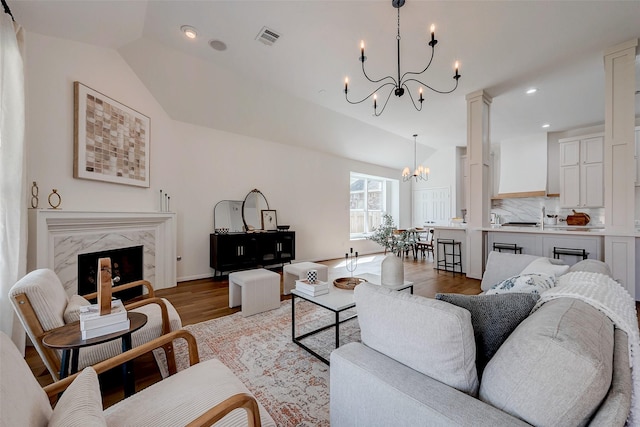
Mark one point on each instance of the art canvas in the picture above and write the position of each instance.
(111, 140)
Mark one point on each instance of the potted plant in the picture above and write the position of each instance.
(383, 235)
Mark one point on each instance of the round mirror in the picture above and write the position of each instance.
(252, 208)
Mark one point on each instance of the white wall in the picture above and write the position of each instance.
(443, 173)
(196, 166)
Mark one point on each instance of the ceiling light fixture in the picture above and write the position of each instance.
(218, 45)
(399, 85)
(420, 173)
(531, 91)
(546, 125)
(189, 31)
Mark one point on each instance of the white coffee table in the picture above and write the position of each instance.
(337, 301)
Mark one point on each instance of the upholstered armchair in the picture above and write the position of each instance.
(201, 395)
(42, 305)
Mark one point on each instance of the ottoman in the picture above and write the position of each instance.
(298, 271)
(256, 290)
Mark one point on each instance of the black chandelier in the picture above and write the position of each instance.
(399, 85)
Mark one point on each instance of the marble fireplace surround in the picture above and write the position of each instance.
(57, 237)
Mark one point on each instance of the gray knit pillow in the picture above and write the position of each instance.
(493, 318)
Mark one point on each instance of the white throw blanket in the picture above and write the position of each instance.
(608, 296)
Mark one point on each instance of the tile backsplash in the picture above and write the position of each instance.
(529, 209)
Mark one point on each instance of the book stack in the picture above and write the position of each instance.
(312, 289)
(93, 325)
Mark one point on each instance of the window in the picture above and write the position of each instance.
(369, 200)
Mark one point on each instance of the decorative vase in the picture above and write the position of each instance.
(391, 271)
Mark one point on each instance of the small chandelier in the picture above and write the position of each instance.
(399, 85)
(420, 173)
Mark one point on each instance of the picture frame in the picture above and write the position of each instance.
(269, 220)
(111, 141)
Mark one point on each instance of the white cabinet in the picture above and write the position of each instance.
(581, 171)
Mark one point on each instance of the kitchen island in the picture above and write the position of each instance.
(456, 232)
(541, 241)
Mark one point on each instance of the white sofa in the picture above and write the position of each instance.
(565, 364)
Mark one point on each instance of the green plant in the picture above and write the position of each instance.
(383, 235)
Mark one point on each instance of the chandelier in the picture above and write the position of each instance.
(420, 173)
(399, 85)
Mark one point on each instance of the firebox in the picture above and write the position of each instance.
(126, 266)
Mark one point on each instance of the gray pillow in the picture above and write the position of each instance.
(493, 318)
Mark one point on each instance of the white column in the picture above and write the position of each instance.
(619, 163)
(478, 180)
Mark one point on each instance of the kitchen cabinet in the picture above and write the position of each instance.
(239, 251)
(582, 171)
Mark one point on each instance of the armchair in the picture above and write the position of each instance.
(200, 395)
(42, 304)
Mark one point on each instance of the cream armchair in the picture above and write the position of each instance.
(42, 305)
(201, 395)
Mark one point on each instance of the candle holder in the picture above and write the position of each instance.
(351, 263)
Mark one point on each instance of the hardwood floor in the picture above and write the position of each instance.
(200, 300)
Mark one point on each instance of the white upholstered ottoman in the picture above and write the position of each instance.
(256, 290)
(298, 271)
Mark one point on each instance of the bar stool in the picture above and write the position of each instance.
(507, 247)
(451, 258)
(570, 251)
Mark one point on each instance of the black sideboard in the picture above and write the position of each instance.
(240, 251)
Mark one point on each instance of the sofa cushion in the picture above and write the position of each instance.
(591, 266)
(556, 367)
(81, 403)
(493, 318)
(532, 283)
(546, 266)
(430, 336)
(502, 265)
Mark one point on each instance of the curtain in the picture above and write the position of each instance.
(13, 186)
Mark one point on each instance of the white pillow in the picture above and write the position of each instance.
(81, 403)
(533, 283)
(545, 265)
(72, 312)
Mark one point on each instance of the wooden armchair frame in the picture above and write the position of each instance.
(213, 415)
(51, 357)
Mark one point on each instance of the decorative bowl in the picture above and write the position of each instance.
(283, 227)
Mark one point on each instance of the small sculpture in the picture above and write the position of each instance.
(34, 195)
(56, 202)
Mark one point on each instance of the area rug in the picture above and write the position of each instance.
(289, 382)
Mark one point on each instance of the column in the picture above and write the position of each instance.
(619, 163)
(478, 180)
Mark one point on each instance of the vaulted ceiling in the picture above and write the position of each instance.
(292, 92)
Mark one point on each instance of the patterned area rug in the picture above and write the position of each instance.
(289, 382)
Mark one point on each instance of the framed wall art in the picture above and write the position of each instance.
(111, 140)
(269, 221)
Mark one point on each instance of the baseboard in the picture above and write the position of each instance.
(194, 277)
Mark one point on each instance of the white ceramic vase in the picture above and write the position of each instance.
(391, 271)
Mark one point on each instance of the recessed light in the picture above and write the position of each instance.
(531, 91)
(190, 32)
(546, 125)
(218, 45)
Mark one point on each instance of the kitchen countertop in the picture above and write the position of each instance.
(550, 229)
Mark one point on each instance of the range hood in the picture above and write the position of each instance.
(523, 167)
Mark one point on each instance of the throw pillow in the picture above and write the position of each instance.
(72, 312)
(493, 318)
(534, 283)
(81, 403)
(430, 336)
(547, 266)
(555, 368)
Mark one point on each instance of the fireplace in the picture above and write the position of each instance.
(126, 266)
(56, 237)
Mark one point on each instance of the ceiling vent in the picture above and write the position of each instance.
(267, 36)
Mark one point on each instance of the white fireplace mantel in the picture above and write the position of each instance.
(57, 237)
